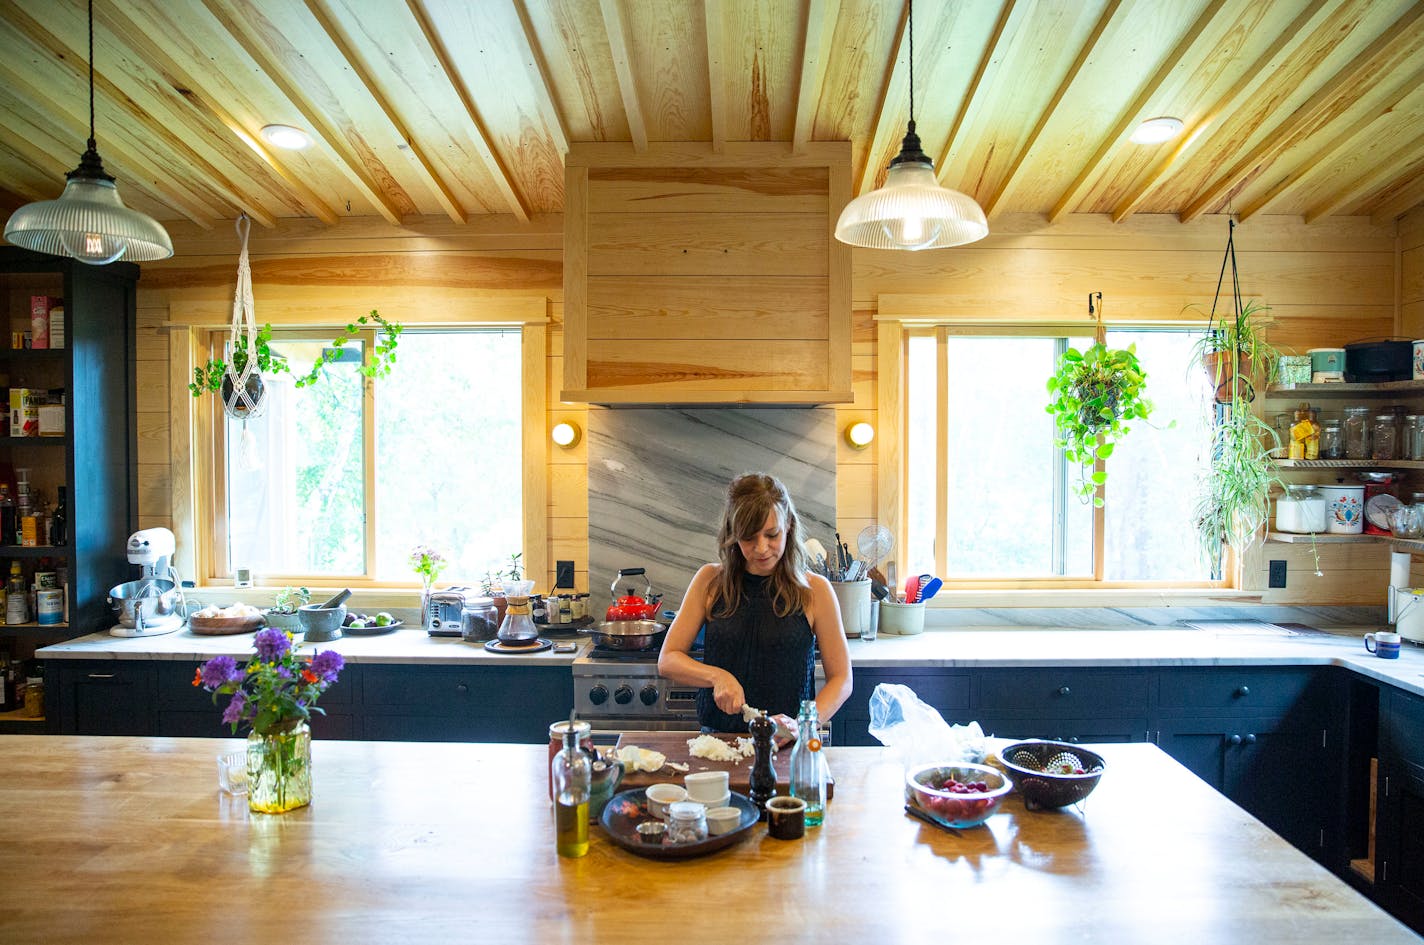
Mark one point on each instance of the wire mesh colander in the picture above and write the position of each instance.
(1035, 768)
(874, 542)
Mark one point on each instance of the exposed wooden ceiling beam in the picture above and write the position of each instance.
(994, 204)
(1304, 118)
(429, 174)
(623, 66)
(1004, 29)
(1333, 144)
(1381, 173)
(886, 127)
(716, 71)
(324, 135)
(132, 170)
(1406, 198)
(560, 130)
(818, 31)
(1130, 116)
(482, 140)
(1289, 39)
(154, 47)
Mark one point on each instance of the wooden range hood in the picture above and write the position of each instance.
(700, 277)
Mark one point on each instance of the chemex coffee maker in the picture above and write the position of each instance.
(153, 604)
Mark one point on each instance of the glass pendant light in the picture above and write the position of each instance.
(89, 222)
(912, 211)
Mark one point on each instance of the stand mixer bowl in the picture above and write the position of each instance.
(156, 599)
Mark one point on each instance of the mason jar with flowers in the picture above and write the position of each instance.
(274, 695)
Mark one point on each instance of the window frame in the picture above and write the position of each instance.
(894, 331)
(196, 431)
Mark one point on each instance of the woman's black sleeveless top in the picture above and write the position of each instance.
(772, 657)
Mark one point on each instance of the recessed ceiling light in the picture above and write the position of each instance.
(285, 136)
(1157, 130)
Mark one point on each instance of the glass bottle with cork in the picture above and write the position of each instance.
(1304, 434)
(808, 764)
(572, 775)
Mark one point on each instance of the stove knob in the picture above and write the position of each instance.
(649, 695)
(598, 695)
(623, 695)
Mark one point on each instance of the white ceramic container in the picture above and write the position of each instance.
(1346, 514)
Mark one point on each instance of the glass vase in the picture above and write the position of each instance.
(279, 770)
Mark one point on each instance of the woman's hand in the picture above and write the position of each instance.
(728, 694)
(785, 730)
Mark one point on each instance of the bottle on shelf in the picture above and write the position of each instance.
(22, 505)
(808, 764)
(6, 693)
(8, 523)
(17, 597)
(59, 521)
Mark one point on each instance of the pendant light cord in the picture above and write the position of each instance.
(912, 64)
(91, 75)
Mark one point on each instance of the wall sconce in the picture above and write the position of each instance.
(566, 434)
(859, 435)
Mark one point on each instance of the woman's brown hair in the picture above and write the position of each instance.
(750, 499)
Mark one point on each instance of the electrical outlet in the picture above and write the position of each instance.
(1278, 574)
(563, 574)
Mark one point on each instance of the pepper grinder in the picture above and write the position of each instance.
(762, 783)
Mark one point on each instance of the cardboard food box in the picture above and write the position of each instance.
(51, 420)
(40, 307)
(25, 411)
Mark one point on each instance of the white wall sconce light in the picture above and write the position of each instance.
(566, 434)
(859, 435)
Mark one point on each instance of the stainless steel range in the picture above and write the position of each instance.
(620, 690)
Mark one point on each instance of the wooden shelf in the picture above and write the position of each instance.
(34, 551)
(34, 626)
(1415, 545)
(1349, 463)
(1346, 390)
(34, 440)
(31, 354)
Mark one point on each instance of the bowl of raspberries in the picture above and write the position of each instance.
(957, 795)
(1051, 774)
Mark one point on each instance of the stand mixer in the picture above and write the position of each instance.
(153, 604)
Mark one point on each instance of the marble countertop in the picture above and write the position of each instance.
(961, 647)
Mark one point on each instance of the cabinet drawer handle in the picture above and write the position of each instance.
(102, 675)
(1064, 690)
(1233, 739)
(1250, 739)
(462, 688)
(1242, 692)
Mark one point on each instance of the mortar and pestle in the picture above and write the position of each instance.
(321, 623)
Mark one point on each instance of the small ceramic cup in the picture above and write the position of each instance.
(1383, 644)
(707, 786)
(786, 818)
(661, 795)
(722, 820)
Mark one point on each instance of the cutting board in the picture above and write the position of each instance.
(674, 746)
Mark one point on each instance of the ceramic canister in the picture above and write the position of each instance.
(1327, 360)
(1346, 515)
(1419, 360)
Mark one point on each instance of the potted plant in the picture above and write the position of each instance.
(285, 603)
(1095, 393)
(1234, 351)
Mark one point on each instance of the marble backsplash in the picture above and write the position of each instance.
(658, 476)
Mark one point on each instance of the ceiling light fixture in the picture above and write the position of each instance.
(89, 222)
(1157, 130)
(286, 136)
(912, 211)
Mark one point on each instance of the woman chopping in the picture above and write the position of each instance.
(765, 616)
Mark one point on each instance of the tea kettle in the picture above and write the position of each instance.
(630, 606)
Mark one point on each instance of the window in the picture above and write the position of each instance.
(340, 479)
(988, 492)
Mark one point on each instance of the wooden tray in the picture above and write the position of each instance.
(224, 626)
(674, 746)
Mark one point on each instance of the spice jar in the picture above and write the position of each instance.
(1304, 435)
(1332, 440)
(687, 822)
(1384, 437)
(34, 697)
(1412, 443)
(1356, 427)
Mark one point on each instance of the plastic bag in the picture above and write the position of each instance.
(903, 721)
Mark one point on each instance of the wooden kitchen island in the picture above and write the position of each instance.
(128, 840)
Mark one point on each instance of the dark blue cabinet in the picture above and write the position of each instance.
(1399, 875)
(101, 697)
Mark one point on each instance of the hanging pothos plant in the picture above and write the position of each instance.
(383, 356)
(1095, 394)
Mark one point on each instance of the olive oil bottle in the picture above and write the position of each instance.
(572, 774)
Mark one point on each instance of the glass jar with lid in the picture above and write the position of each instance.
(687, 822)
(1304, 434)
(1412, 442)
(1301, 510)
(1384, 437)
(1356, 428)
(1332, 440)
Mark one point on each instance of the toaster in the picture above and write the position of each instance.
(445, 611)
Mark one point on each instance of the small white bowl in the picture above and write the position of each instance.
(720, 802)
(661, 795)
(707, 786)
(722, 820)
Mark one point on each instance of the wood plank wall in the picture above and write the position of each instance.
(1331, 282)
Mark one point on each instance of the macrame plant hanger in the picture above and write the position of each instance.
(243, 393)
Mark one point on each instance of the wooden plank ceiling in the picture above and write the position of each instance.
(460, 108)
